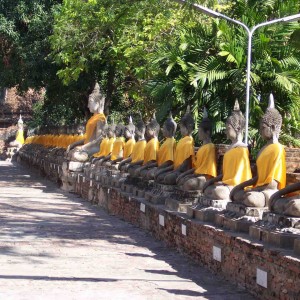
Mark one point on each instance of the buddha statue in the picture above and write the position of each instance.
(81, 150)
(236, 164)
(270, 164)
(205, 164)
(184, 153)
(151, 149)
(118, 147)
(19, 141)
(286, 201)
(165, 155)
(137, 156)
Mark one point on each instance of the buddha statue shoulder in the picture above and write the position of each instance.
(270, 164)
(236, 163)
(205, 164)
(184, 152)
(81, 150)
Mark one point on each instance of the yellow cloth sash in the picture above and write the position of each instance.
(151, 150)
(20, 136)
(271, 166)
(91, 126)
(236, 166)
(138, 151)
(128, 148)
(166, 151)
(184, 149)
(109, 146)
(205, 162)
(102, 150)
(117, 151)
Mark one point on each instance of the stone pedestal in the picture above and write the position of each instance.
(207, 209)
(159, 193)
(278, 230)
(238, 217)
(69, 175)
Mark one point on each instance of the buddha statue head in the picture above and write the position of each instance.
(152, 128)
(129, 129)
(235, 124)
(187, 123)
(20, 123)
(140, 129)
(270, 123)
(169, 127)
(205, 127)
(79, 129)
(96, 100)
(119, 130)
(111, 129)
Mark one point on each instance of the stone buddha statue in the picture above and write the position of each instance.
(205, 165)
(137, 156)
(270, 164)
(151, 149)
(80, 151)
(286, 201)
(19, 141)
(165, 155)
(236, 164)
(118, 147)
(184, 153)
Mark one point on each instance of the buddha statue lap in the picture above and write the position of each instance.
(236, 163)
(184, 153)
(286, 201)
(205, 165)
(270, 164)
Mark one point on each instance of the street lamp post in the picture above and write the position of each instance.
(250, 32)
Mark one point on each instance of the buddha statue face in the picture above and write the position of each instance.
(80, 129)
(129, 129)
(266, 131)
(140, 130)
(169, 127)
(152, 128)
(111, 130)
(231, 134)
(119, 130)
(187, 123)
(96, 100)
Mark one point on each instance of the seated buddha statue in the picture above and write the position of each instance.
(19, 141)
(165, 155)
(80, 151)
(205, 164)
(270, 164)
(137, 156)
(286, 201)
(184, 153)
(236, 164)
(118, 147)
(151, 149)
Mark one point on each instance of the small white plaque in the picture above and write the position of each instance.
(78, 178)
(83, 179)
(108, 191)
(261, 278)
(161, 220)
(98, 186)
(97, 178)
(143, 207)
(91, 182)
(91, 176)
(217, 253)
(183, 229)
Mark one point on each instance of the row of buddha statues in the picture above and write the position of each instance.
(125, 148)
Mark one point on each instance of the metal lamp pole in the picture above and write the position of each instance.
(250, 33)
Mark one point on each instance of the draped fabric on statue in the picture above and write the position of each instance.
(110, 145)
(271, 166)
(236, 166)
(205, 162)
(138, 151)
(166, 151)
(128, 148)
(151, 150)
(20, 136)
(103, 146)
(118, 148)
(91, 126)
(184, 150)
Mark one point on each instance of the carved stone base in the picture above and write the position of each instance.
(279, 230)
(69, 181)
(238, 217)
(207, 209)
(159, 193)
(75, 166)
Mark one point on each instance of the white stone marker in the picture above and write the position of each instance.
(142, 207)
(183, 229)
(217, 253)
(261, 278)
(161, 220)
